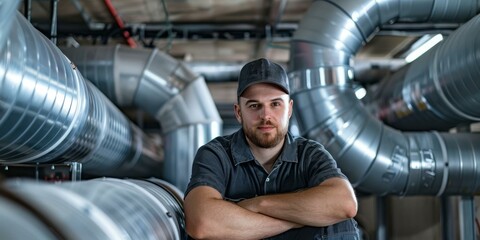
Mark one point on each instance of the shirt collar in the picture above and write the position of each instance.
(241, 151)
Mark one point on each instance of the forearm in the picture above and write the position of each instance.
(219, 219)
(318, 206)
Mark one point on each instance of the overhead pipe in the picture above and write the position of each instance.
(104, 208)
(49, 113)
(377, 159)
(118, 20)
(53, 20)
(217, 72)
(440, 91)
(220, 72)
(167, 89)
(87, 18)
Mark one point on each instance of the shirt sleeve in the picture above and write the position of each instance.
(321, 165)
(208, 169)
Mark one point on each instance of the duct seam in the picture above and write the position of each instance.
(445, 163)
(364, 38)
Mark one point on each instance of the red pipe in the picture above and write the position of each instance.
(120, 24)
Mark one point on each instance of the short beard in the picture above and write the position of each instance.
(262, 141)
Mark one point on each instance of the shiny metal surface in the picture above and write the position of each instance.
(319, 77)
(76, 216)
(104, 208)
(21, 223)
(170, 197)
(42, 111)
(376, 158)
(163, 87)
(440, 90)
(216, 71)
(182, 144)
(139, 210)
(48, 112)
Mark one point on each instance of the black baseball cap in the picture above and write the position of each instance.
(262, 71)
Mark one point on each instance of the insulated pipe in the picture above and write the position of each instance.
(49, 113)
(103, 208)
(161, 86)
(376, 158)
(439, 91)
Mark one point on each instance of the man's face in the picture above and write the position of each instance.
(264, 111)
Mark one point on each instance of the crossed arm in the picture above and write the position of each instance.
(208, 216)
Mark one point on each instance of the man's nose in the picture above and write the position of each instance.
(266, 113)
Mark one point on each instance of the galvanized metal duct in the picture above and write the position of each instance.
(7, 11)
(376, 158)
(49, 113)
(216, 71)
(22, 224)
(441, 90)
(161, 86)
(103, 209)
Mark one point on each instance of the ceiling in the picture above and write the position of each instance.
(218, 31)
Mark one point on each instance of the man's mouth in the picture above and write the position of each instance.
(266, 127)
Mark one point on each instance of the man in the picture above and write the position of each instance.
(261, 181)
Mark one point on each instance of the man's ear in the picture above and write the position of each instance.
(290, 108)
(238, 113)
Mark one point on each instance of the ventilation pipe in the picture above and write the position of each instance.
(49, 113)
(376, 158)
(104, 208)
(217, 71)
(161, 86)
(440, 91)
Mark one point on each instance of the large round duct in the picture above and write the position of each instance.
(376, 158)
(95, 209)
(49, 113)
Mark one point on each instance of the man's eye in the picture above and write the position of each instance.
(253, 106)
(276, 104)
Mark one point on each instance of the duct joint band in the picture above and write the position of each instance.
(320, 77)
(445, 163)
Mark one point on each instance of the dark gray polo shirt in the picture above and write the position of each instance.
(227, 164)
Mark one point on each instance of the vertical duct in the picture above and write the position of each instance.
(104, 208)
(376, 158)
(49, 113)
(161, 86)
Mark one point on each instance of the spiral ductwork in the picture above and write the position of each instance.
(440, 91)
(103, 209)
(165, 88)
(376, 158)
(49, 113)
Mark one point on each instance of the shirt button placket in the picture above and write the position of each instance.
(270, 188)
